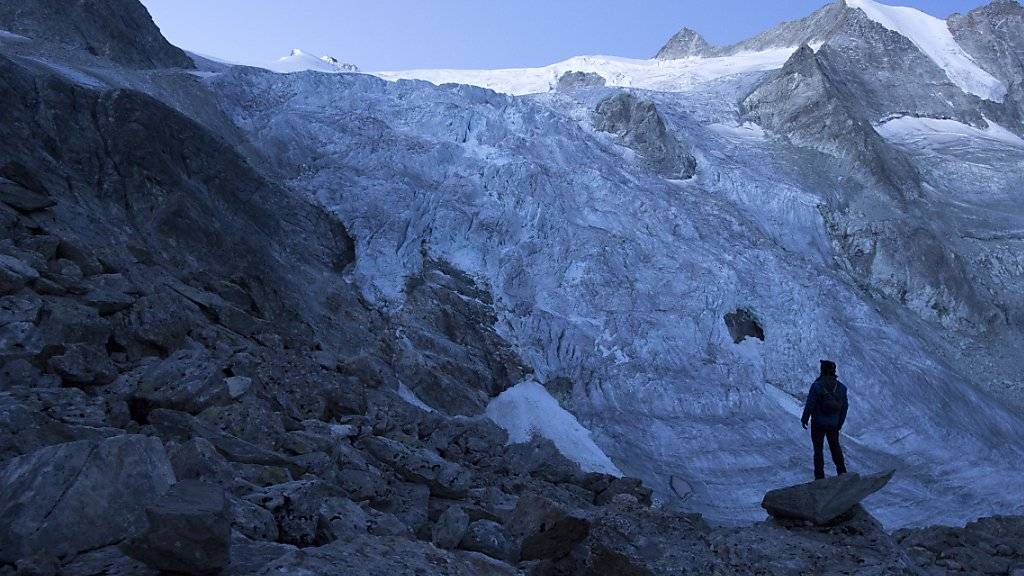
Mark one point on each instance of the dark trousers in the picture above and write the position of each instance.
(818, 436)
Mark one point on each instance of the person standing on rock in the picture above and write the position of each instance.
(826, 408)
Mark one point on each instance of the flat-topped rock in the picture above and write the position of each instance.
(822, 501)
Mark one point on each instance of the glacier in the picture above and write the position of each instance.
(618, 281)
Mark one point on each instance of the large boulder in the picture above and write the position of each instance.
(66, 498)
(823, 501)
(450, 528)
(189, 530)
(547, 530)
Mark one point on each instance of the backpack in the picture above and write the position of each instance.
(829, 401)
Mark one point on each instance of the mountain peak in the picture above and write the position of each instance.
(300, 61)
(684, 44)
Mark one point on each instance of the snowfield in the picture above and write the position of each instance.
(661, 75)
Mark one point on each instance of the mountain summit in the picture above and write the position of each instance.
(299, 61)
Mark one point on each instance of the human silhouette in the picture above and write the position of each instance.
(826, 408)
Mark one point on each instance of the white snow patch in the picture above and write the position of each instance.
(932, 36)
(744, 131)
(663, 75)
(527, 409)
(299, 61)
(71, 74)
(409, 396)
(909, 128)
(6, 36)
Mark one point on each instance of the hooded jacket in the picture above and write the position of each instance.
(813, 408)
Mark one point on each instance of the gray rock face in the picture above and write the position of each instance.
(684, 44)
(71, 497)
(189, 531)
(574, 80)
(638, 125)
(822, 501)
(119, 30)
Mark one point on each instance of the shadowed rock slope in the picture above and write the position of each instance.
(121, 31)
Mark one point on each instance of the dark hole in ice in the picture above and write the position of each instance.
(742, 324)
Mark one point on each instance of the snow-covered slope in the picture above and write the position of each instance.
(299, 61)
(932, 36)
(662, 75)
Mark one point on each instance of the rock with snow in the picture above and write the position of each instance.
(574, 80)
(822, 501)
(993, 36)
(932, 36)
(639, 126)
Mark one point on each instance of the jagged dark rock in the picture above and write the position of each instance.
(822, 501)
(119, 30)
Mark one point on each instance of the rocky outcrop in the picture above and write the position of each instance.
(450, 355)
(638, 125)
(121, 31)
(822, 501)
(575, 80)
(67, 498)
(188, 531)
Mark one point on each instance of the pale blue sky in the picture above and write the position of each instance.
(403, 34)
